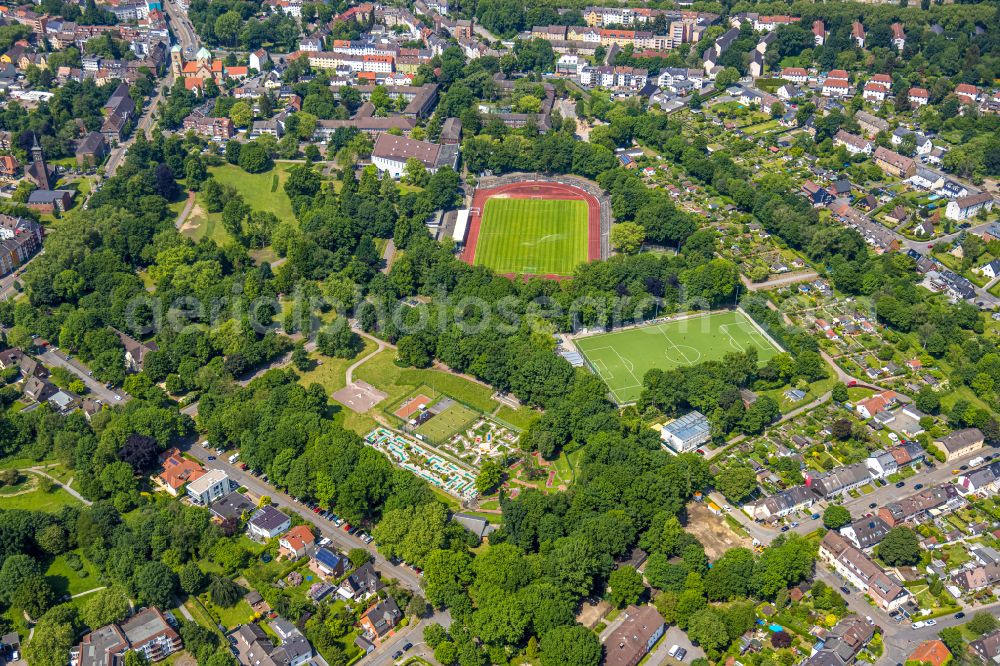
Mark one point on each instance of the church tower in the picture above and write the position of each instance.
(39, 172)
(176, 61)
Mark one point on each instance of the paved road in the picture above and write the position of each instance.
(7, 283)
(110, 397)
(341, 539)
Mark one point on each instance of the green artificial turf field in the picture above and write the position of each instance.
(454, 418)
(532, 236)
(622, 358)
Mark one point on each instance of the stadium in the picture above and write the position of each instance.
(532, 225)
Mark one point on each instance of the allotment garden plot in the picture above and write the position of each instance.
(621, 358)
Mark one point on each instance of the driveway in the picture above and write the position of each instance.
(673, 636)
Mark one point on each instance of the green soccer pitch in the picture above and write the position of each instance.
(622, 358)
(532, 236)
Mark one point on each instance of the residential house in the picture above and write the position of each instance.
(898, 36)
(965, 207)
(843, 643)
(49, 202)
(255, 647)
(9, 167)
(819, 32)
(960, 443)
(987, 648)
(915, 506)
(990, 270)
(363, 583)
(327, 563)
(918, 96)
(211, 486)
(858, 34)
(135, 351)
(871, 124)
(865, 533)
(233, 506)
(268, 523)
(869, 407)
(890, 461)
(927, 179)
(985, 479)
(932, 652)
(835, 87)
(635, 637)
(295, 543)
(860, 571)
(177, 472)
(782, 503)
(874, 92)
(978, 577)
(853, 143)
(147, 632)
(840, 480)
(391, 153)
(258, 59)
(967, 93)
(686, 433)
(893, 163)
(379, 620)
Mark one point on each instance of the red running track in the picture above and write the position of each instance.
(535, 190)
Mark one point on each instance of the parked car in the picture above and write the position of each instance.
(681, 654)
(959, 615)
(844, 589)
(407, 646)
(784, 528)
(901, 484)
(211, 458)
(918, 486)
(872, 505)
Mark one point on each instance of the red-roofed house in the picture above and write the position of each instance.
(9, 166)
(898, 36)
(875, 404)
(918, 96)
(967, 94)
(819, 32)
(295, 542)
(932, 652)
(177, 472)
(875, 92)
(794, 74)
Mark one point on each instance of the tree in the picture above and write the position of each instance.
(900, 547)
(411, 533)
(626, 586)
(435, 634)
(781, 639)
(627, 237)
(490, 476)
(253, 158)
(358, 556)
(570, 646)
(191, 577)
(155, 584)
(835, 517)
(52, 538)
(105, 607)
(34, 595)
(839, 393)
(736, 483)
(953, 640)
(983, 623)
(842, 429)
(446, 653)
(927, 400)
(727, 77)
(241, 114)
(53, 637)
(707, 629)
(225, 592)
(415, 173)
(339, 340)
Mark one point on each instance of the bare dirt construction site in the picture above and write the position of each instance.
(713, 532)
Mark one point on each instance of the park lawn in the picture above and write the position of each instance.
(332, 374)
(522, 417)
(256, 188)
(382, 373)
(532, 236)
(65, 580)
(49, 502)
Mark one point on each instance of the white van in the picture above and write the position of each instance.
(233, 458)
(977, 461)
(673, 650)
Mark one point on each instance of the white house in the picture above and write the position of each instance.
(990, 270)
(213, 485)
(965, 207)
(257, 60)
(268, 523)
